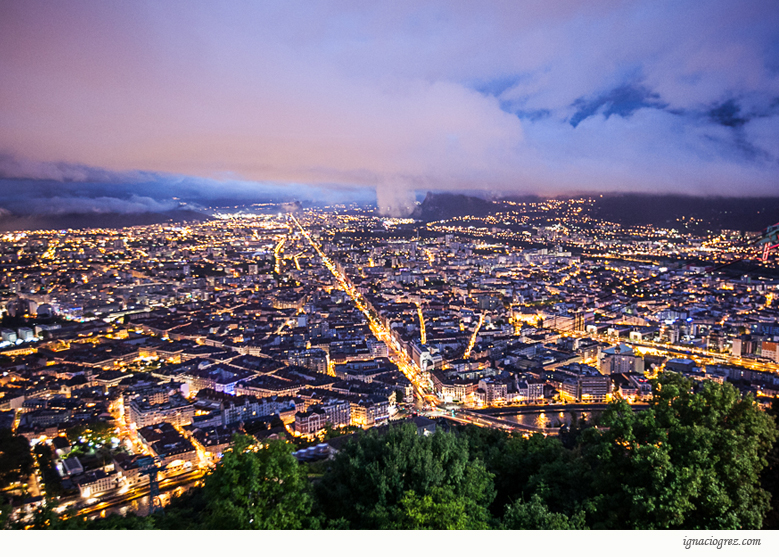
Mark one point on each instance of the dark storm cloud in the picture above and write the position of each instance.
(728, 114)
(622, 101)
(31, 188)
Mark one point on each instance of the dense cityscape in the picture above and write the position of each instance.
(132, 357)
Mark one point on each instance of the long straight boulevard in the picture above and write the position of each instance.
(396, 355)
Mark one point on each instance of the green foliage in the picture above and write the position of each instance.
(257, 489)
(692, 460)
(636, 482)
(484, 443)
(441, 509)
(329, 432)
(570, 434)
(535, 515)
(119, 522)
(560, 476)
(770, 477)
(398, 478)
(99, 433)
(184, 512)
(16, 462)
(51, 478)
(5, 511)
(537, 465)
(251, 488)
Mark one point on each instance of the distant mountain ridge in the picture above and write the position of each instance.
(439, 206)
(10, 222)
(630, 209)
(675, 211)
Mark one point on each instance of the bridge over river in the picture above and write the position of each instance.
(546, 418)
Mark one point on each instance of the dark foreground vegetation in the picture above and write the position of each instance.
(694, 459)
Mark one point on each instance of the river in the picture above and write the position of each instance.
(544, 419)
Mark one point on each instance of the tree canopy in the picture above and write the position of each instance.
(16, 461)
(257, 488)
(398, 479)
(691, 460)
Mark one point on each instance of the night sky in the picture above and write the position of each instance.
(120, 106)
